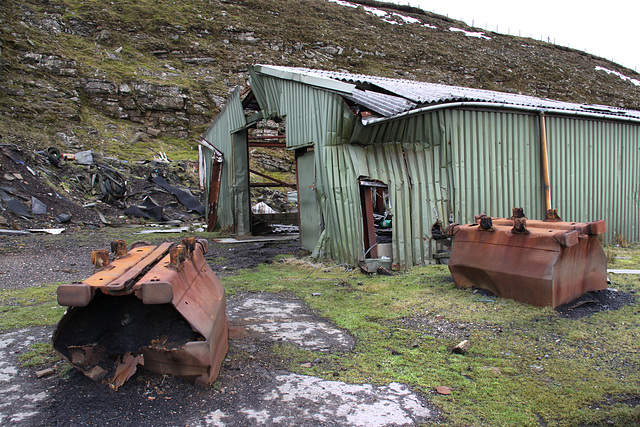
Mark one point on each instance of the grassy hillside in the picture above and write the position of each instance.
(129, 76)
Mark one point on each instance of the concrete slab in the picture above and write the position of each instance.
(18, 403)
(292, 399)
(278, 319)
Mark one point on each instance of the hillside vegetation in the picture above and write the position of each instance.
(126, 77)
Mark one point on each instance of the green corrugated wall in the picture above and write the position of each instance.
(459, 162)
(448, 161)
(219, 134)
(495, 163)
(595, 169)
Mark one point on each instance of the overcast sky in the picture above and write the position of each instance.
(608, 29)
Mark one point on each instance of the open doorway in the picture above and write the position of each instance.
(272, 184)
(377, 220)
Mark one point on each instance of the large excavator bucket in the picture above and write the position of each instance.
(543, 263)
(161, 307)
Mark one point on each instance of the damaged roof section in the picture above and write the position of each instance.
(393, 97)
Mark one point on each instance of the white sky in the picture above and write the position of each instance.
(606, 28)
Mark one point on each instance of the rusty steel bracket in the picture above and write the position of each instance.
(161, 307)
(519, 225)
(486, 224)
(552, 216)
(544, 263)
(518, 213)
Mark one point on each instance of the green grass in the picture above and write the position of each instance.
(38, 355)
(526, 363)
(34, 306)
(623, 257)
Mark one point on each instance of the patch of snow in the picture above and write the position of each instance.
(478, 35)
(391, 18)
(19, 401)
(344, 3)
(311, 335)
(622, 76)
(287, 321)
(407, 19)
(21, 416)
(216, 419)
(36, 397)
(376, 12)
(255, 416)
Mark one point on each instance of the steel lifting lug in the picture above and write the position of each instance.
(100, 258)
(451, 229)
(518, 213)
(520, 226)
(119, 248)
(552, 216)
(486, 224)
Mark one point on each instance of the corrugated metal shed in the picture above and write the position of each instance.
(441, 152)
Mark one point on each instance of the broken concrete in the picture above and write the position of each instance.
(278, 319)
(311, 401)
(18, 404)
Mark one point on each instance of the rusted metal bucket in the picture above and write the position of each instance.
(157, 306)
(544, 263)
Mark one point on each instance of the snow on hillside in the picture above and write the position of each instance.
(392, 18)
(622, 76)
(470, 33)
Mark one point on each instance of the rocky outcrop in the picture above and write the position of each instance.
(168, 110)
(105, 72)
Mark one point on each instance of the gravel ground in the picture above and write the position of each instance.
(254, 387)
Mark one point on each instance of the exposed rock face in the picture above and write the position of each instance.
(163, 108)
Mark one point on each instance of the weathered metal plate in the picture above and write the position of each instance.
(160, 307)
(551, 264)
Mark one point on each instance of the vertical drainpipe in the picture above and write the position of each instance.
(545, 162)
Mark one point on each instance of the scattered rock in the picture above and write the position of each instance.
(45, 372)
(462, 347)
(63, 218)
(443, 390)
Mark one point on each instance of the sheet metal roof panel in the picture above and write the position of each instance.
(313, 79)
(423, 93)
(386, 105)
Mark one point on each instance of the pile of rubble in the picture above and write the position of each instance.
(46, 190)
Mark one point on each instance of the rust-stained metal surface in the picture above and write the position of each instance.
(161, 307)
(544, 263)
